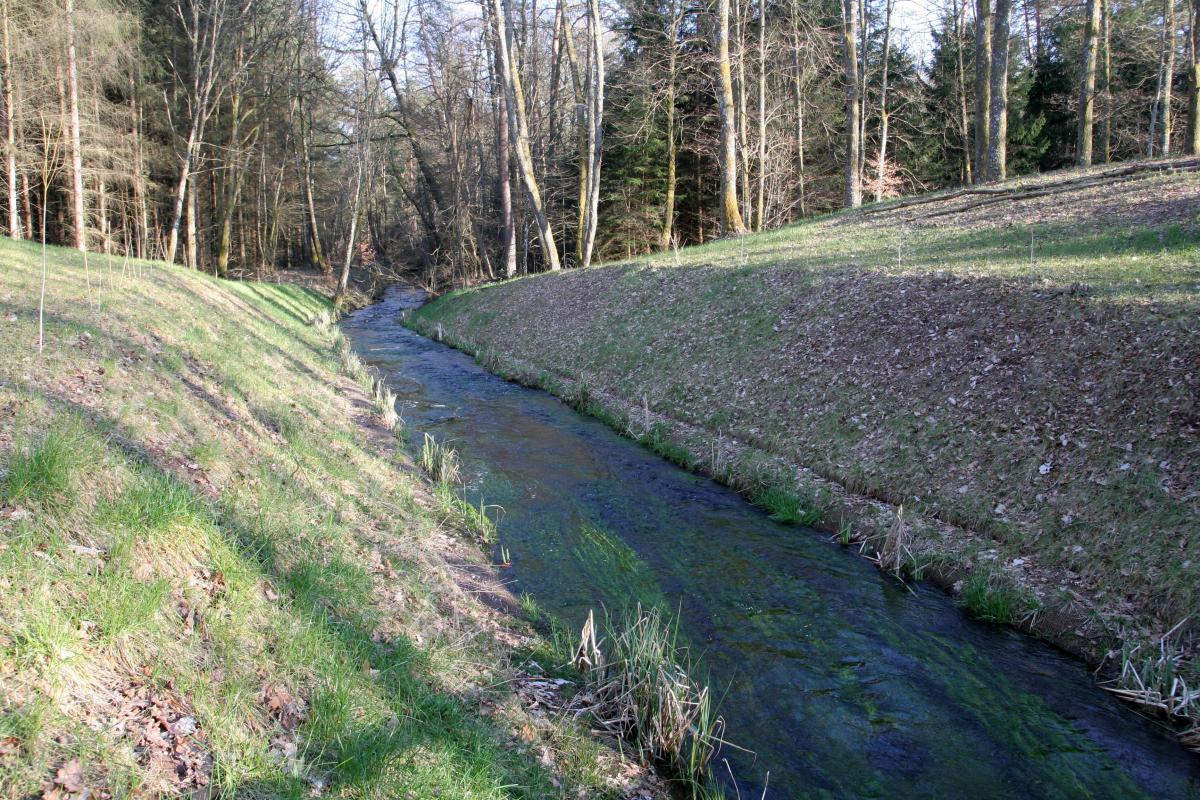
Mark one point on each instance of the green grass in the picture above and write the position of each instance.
(205, 519)
(988, 599)
(48, 472)
(786, 506)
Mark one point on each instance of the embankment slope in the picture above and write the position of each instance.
(1019, 370)
(218, 575)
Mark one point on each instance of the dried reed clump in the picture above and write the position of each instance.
(439, 461)
(893, 550)
(1154, 680)
(644, 694)
(385, 404)
(351, 365)
(323, 319)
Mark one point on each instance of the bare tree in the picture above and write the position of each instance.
(731, 215)
(677, 10)
(595, 119)
(983, 87)
(364, 116)
(760, 205)
(964, 124)
(503, 155)
(205, 24)
(1193, 139)
(519, 133)
(998, 118)
(77, 200)
(10, 125)
(1087, 86)
(1106, 141)
(1159, 140)
(852, 79)
(881, 161)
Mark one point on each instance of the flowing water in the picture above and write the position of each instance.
(842, 682)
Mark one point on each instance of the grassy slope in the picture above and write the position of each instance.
(213, 571)
(1036, 410)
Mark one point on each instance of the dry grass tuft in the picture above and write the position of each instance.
(643, 692)
(440, 462)
(385, 404)
(893, 548)
(1156, 681)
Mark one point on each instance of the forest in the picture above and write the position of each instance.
(470, 142)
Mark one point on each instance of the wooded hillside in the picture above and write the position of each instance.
(482, 140)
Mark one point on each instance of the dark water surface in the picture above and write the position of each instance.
(842, 682)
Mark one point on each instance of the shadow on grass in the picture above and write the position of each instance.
(425, 727)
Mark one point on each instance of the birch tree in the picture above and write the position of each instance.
(205, 24)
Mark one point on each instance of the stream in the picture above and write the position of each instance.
(842, 682)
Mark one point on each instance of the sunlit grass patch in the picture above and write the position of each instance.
(153, 502)
(49, 471)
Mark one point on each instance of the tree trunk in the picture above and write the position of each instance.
(1087, 87)
(851, 79)
(798, 85)
(79, 219)
(310, 205)
(731, 215)
(863, 70)
(741, 116)
(1106, 141)
(998, 121)
(141, 209)
(761, 204)
(580, 89)
(193, 245)
(881, 162)
(964, 123)
(1165, 115)
(181, 188)
(595, 126)
(10, 131)
(983, 86)
(1168, 78)
(231, 188)
(519, 133)
(1193, 139)
(668, 226)
(503, 156)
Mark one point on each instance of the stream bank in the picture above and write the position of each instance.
(842, 681)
